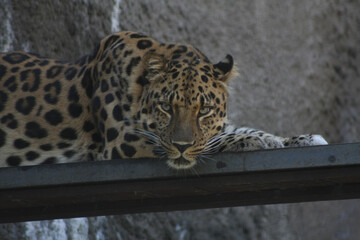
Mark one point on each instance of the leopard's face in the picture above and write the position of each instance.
(186, 102)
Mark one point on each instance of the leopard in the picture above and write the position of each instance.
(131, 97)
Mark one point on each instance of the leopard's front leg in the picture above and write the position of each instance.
(247, 139)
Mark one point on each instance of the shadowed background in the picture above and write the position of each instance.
(299, 65)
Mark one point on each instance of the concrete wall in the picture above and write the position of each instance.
(299, 65)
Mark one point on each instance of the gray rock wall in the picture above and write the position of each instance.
(299, 64)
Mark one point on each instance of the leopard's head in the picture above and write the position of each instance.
(186, 101)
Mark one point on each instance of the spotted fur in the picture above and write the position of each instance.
(132, 97)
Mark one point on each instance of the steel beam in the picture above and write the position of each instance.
(148, 185)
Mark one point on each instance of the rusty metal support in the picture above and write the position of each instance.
(148, 185)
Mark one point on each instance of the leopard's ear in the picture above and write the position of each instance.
(225, 68)
(154, 63)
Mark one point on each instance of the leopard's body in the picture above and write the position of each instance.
(132, 97)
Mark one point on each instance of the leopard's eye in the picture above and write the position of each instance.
(204, 110)
(165, 107)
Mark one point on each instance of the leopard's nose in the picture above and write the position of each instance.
(182, 146)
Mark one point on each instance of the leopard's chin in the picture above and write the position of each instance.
(181, 163)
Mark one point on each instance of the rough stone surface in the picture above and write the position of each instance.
(299, 64)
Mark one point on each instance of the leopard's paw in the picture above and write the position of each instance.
(318, 140)
(305, 140)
